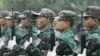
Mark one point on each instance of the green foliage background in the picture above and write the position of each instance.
(55, 5)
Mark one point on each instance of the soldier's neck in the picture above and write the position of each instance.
(95, 27)
(66, 30)
(26, 28)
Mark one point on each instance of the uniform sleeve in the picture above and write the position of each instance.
(93, 47)
(63, 48)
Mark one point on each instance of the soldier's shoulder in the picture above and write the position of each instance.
(69, 33)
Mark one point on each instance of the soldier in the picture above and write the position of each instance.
(65, 40)
(91, 20)
(3, 22)
(19, 33)
(28, 19)
(44, 25)
(2, 27)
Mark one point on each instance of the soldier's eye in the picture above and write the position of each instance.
(86, 18)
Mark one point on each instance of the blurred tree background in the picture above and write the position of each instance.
(55, 5)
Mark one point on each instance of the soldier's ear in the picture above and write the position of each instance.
(96, 20)
(67, 22)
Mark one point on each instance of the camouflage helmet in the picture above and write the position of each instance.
(15, 14)
(45, 12)
(92, 11)
(66, 15)
(4, 13)
(29, 14)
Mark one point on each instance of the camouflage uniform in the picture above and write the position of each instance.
(93, 35)
(32, 17)
(30, 31)
(45, 34)
(2, 27)
(66, 39)
(19, 33)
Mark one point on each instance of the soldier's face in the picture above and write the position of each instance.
(3, 21)
(9, 23)
(42, 22)
(62, 25)
(89, 22)
(25, 22)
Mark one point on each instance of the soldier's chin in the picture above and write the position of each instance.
(61, 30)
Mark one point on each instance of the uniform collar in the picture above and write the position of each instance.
(94, 30)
